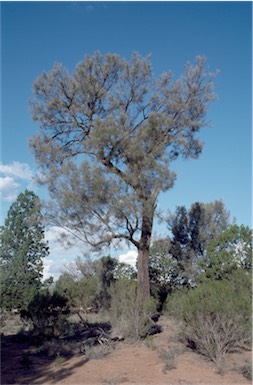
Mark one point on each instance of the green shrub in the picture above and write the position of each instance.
(130, 315)
(47, 314)
(216, 317)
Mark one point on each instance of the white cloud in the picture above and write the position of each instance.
(60, 257)
(8, 188)
(130, 257)
(59, 246)
(61, 254)
(54, 267)
(15, 176)
(47, 263)
(17, 169)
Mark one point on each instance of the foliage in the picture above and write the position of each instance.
(108, 135)
(168, 357)
(81, 268)
(124, 271)
(246, 370)
(240, 278)
(80, 295)
(169, 360)
(86, 283)
(191, 231)
(22, 251)
(47, 314)
(10, 322)
(163, 270)
(216, 317)
(129, 314)
(231, 250)
(105, 269)
(63, 283)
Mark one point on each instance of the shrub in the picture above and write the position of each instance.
(168, 357)
(47, 314)
(246, 370)
(130, 315)
(80, 295)
(216, 317)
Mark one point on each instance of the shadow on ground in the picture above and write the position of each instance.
(25, 360)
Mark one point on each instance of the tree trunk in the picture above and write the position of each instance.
(143, 252)
(143, 274)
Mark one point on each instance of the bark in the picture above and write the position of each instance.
(143, 251)
(143, 275)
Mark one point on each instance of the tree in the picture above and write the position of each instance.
(80, 268)
(105, 273)
(108, 134)
(191, 231)
(22, 250)
(80, 294)
(87, 282)
(232, 250)
(124, 271)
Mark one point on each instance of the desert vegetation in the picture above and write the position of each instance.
(199, 279)
(108, 135)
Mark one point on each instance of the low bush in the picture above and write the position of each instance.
(129, 314)
(216, 317)
(246, 370)
(168, 358)
(47, 313)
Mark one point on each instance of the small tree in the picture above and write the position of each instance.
(232, 250)
(191, 231)
(87, 283)
(105, 268)
(109, 133)
(22, 250)
(79, 294)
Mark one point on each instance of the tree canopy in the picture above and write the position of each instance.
(22, 249)
(108, 135)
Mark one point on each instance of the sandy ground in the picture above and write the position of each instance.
(138, 364)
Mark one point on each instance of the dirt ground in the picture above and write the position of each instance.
(140, 364)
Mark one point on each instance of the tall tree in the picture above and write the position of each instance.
(108, 134)
(22, 249)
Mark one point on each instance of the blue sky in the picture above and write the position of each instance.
(35, 35)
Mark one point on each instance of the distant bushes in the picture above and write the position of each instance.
(216, 316)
